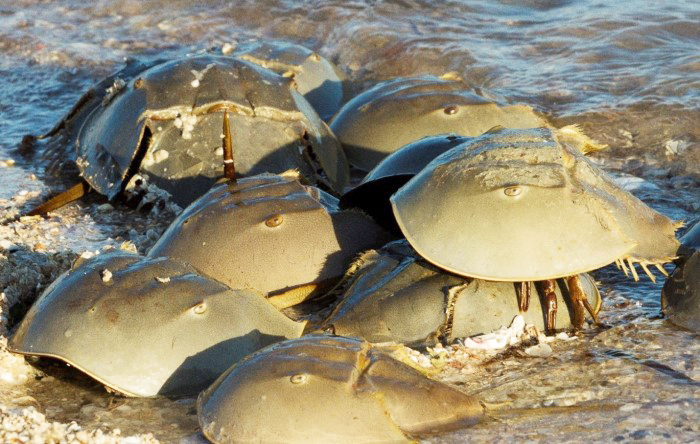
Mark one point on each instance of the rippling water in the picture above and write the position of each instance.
(628, 72)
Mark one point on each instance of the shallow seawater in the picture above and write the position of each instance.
(627, 72)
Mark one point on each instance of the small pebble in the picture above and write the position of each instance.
(7, 245)
(639, 434)
(105, 207)
(7, 377)
(630, 407)
(539, 350)
(565, 336)
(227, 48)
(106, 275)
(152, 234)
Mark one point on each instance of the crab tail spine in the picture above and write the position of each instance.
(229, 166)
(632, 269)
(73, 193)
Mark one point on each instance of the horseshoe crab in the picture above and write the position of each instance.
(271, 233)
(373, 192)
(393, 295)
(317, 79)
(680, 297)
(165, 121)
(399, 111)
(148, 326)
(527, 205)
(330, 389)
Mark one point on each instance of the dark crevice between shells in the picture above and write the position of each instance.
(144, 144)
(321, 178)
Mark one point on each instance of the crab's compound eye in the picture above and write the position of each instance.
(200, 308)
(298, 378)
(512, 191)
(274, 221)
(452, 109)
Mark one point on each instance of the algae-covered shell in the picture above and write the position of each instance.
(680, 297)
(148, 326)
(396, 112)
(372, 194)
(396, 296)
(323, 389)
(524, 205)
(167, 122)
(316, 78)
(270, 233)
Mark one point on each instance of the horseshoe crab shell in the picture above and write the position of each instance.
(680, 297)
(317, 79)
(270, 233)
(395, 296)
(372, 194)
(329, 389)
(148, 326)
(524, 205)
(396, 112)
(167, 122)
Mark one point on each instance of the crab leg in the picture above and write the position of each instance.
(229, 167)
(579, 301)
(550, 298)
(524, 296)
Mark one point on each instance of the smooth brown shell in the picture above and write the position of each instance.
(680, 297)
(322, 389)
(526, 205)
(399, 111)
(269, 233)
(148, 326)
(316, 78)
